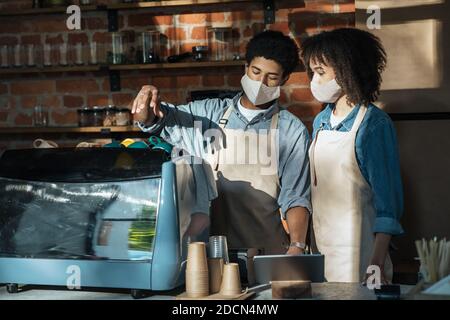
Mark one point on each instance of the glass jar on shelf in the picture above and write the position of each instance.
(40, 116)
(47, 55)
(98, 116)
(18, 55)
(86, 117)
(4, 57)
(149, 47)
(221, 43)
(63, 52)
(30, 50)
(119, 48)
(78, 54)
(123, 117)
(110, 116)
(93, 53)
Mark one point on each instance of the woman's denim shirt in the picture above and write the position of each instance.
(377, 155)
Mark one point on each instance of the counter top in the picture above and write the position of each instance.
(320, 291)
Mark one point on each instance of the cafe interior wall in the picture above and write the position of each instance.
(63, 93)
(417, 86)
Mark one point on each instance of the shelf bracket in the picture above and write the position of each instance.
(114, 80)
(113, 20)
(269, 11)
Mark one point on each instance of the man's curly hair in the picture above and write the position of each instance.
(357, 57)
(274, 45)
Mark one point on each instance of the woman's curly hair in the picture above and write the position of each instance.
(357, 57)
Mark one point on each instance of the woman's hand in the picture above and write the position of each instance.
(382, 280)
(380, 252)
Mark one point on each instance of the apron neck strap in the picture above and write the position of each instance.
(224, 120)
(274, 122)
(359, 118)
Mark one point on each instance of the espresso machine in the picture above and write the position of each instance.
(94, 217)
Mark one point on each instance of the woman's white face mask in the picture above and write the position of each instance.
(257, 92)
(327, 92)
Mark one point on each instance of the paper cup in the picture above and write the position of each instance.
(196, 258)
(215, 268)
(231, 281)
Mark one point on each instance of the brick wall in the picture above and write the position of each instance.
(63, 93)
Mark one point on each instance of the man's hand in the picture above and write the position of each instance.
(146, 105)
(297, 221)
(199, 222)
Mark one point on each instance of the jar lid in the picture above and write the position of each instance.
(111, 108)
(85, 110)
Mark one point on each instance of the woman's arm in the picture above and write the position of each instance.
(377, 153)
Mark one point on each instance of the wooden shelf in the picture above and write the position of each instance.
(32, 11)
(103, 130)
(175, 3)
(179, 65)
(125, 6)
(22, 70)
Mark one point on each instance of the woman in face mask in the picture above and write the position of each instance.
(356, 188)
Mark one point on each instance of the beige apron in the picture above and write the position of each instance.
(343, 211)
(246, 210)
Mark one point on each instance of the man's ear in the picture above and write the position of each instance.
(246, 68)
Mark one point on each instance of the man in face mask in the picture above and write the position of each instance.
(257, 149)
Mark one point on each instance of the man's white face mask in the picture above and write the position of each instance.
(257, 92)
(327, 92)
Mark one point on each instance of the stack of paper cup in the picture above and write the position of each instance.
(197, 277)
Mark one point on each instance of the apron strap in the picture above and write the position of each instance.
(274, 122)
(224, 120)
(222, 123)
(359, 118)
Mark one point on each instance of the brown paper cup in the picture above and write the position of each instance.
(215, 268)
(231, 280)
(197, 284)
(196, 258)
